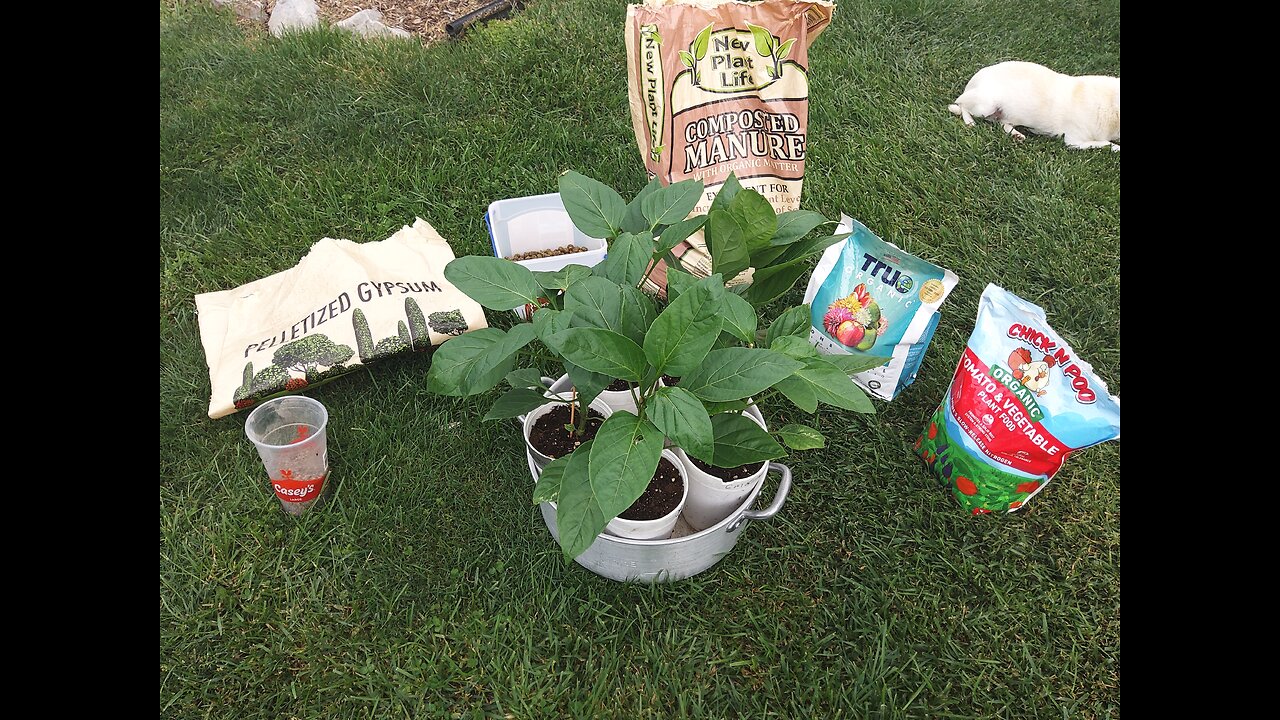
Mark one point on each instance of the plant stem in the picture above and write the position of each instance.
(653, 265)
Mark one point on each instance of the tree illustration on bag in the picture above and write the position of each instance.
(364, 338)
(307, 355)
(448, 322)
(420, 336)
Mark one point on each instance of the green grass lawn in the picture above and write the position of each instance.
(428, 585)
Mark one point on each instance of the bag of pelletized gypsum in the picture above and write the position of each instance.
(344, 305)
(868, 297)
(1019, 404)
(719, 87)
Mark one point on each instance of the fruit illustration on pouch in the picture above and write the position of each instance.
(855, 321)
(849, 333)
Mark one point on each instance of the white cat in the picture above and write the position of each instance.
(1084, 110)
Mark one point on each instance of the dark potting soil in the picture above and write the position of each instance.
(620, 385)
(661, 497)
(549, 436)
(727, 474)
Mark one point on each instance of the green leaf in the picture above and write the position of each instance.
(701, 43)
(627, 259)
(561, 279)
(684, 332)
(831, 386)
(601, 351)
(739, 441)
(678, 233)
(739, 318)
(595, 302)
(784, 49)
(495, 283)
(578, 516)
(800, 392)
(599, 302)
(672, 203)
(725, 244)
(755, 217)
(796, 224)
(477, 363)
(796, 347)
(727, 192)
(686, 58)
(801, 437)
(547, 323)
(737, 372)
(809, 248)
(633, 221)
(525, 378)
(638, 313)
(764, 257)
(855, 363)
(764, 41)
(595, 208)
(548, 487)
(516, 402)
(588, 384)
(624, 456)
(795, 321)
(730, 406)
(683, 419)
(768, 284)
(678, 281)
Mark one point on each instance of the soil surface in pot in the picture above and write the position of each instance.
(533, 254)
(620, 385)
(550, 437)
(661, 497)
(670, 381)
(728, 474)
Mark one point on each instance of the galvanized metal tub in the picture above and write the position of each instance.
(684, 554)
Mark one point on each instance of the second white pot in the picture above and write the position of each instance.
(658, 529)
(712, 499)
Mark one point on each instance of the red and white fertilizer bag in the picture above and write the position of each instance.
(344, 305)
(719, 87)
(1019, 404)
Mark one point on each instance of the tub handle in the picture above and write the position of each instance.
(779, 497)
(545, 381)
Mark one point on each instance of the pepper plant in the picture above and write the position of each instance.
(601, 326)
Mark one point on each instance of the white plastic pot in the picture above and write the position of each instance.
(598, 405)
(623, 399)
(712, 499)
(658, 529)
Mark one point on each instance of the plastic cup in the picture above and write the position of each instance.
(289, 433)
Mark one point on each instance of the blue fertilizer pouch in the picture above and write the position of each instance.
(868, 297)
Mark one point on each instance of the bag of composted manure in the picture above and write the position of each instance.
(1019, 404)
(720, 87)
(344, 305)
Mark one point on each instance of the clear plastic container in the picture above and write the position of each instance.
(539, 222)
(290, 434)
